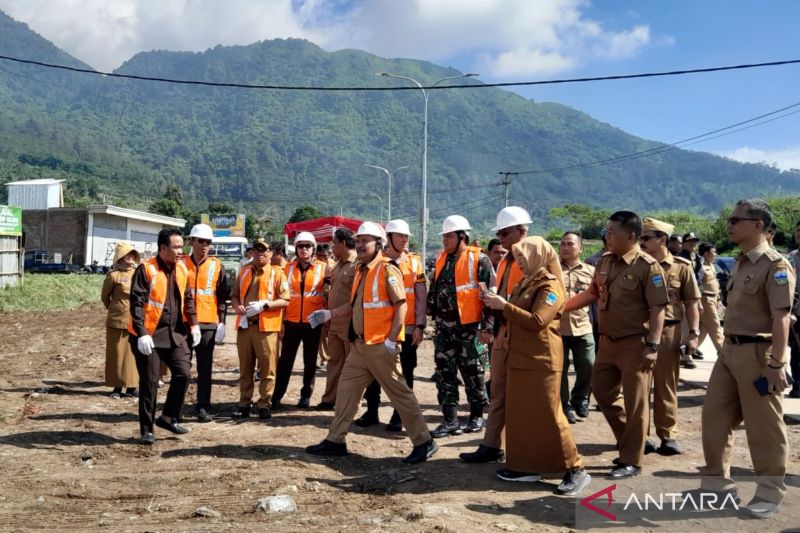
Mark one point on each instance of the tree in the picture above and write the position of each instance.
(589, 221)
(221, 208)
(305, 212)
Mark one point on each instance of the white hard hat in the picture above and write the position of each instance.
(305, 236)
(454, 223)
(512, 216)
(370, 228)
(201, 231)
(398, 226)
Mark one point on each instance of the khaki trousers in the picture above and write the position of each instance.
(665, 383)
(731, 399)
(494, 437)
(365, 363)
(709, 323)
(262, 347)
(338, 348)
(324, 354)
(623, 392)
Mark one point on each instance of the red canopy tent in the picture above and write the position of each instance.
(322, 228)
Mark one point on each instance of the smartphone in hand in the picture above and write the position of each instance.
(762, 386)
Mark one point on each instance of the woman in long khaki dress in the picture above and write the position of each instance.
(121, 370)
(538, 438)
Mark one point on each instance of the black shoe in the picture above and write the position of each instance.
(327, 447)
(132, 392)
(575, 480)
(264, 413)
(445, 430)
(669, 447)
(795, 392)
(582, 410)
(395, 424)
(688, 363)
(622, 471)
(649, 447)
(204, 416)
(510, 475)
(304, 403)
(325, 406)
(116, 394)
(277, 405)
(570, 414)
(697, 354)
(475, 425)
(368, 419)
(484, 454)
(172, 427)
(148, 439)
(241, 412)
(422, 453)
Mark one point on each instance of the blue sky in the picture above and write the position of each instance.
(503, 40)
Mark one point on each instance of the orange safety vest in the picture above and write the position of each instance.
(269, 320)
(468, 293)
(515, 276)
(157, 280)
(203, 281)
(313, 297)
(376, 304)
(412, 270)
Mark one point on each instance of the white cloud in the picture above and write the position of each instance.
(501, 38)
(784, 158)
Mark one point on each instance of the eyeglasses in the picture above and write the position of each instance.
(503, 233)
(261, 252)
(203, 242)
(304, 245)
(735, 220)
(645, 238)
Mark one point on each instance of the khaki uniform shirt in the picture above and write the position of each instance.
(681, 285)
(341, 290)
(627, 288)
(710, 282)
(576, 280)
(762, 281)
(394, 286)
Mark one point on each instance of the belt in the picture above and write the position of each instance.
(747, 339)
(671, 322)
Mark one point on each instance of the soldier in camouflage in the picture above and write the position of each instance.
(463, 326)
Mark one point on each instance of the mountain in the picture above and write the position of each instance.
(129, 139)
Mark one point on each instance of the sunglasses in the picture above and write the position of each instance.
(304, 245)
(645, 238)
(735, 220)
(203, 241)
(503, 233)
(261, 252)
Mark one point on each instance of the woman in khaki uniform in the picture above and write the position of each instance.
(120, 363)
(538, 438)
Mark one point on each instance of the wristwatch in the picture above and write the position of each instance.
(696, 332)
(652, 345)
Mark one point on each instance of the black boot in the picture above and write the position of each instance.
(476, 423)
(395, 424)
(484, 454)
(369, 418)
(451, 424)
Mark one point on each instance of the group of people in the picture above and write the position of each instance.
(628, 320)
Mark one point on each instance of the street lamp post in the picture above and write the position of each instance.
(380, 215)
(389, 174)
(424, 213)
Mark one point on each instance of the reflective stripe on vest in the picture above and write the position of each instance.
(312, 300)
(468, 292)
(157, 293)
(410, 271)
(377, 307)
(514, 276)
(269, 320)
(203, 280)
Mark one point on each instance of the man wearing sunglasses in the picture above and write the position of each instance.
(208, 285)
(309, 280)
(748, 379)
(684, 296)
(631, 294)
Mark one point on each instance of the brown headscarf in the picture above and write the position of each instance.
(534, 254)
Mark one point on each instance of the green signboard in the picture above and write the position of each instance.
(10, 220)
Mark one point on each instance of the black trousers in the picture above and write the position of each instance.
(408, 362)
(204, 353)
(149, 367)
(293, 335)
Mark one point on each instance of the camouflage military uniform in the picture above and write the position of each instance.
(457, 346)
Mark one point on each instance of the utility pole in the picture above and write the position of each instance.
(506, 183)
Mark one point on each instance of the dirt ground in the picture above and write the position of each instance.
(70, 458)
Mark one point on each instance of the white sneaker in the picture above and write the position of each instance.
(575, 480)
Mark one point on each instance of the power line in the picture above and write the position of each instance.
(672, 146)
(402, 88)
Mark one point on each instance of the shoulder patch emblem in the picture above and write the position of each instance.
(285, 286)
(393, 281)
(781, 277)
(550, 299)
(658, 280)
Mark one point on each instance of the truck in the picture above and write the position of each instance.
(231, 251)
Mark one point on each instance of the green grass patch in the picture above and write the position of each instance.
(44, 292)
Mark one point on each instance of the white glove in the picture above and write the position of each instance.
(391, 346)
(145, 344)
(195, 331)
(219, 336)
(318, 317)
(254, 308)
